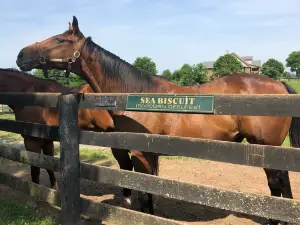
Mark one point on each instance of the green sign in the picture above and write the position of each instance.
(171, 103)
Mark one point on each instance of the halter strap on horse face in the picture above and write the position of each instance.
(70, 60)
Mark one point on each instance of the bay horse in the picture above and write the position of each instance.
(16, 81)
(106, 72)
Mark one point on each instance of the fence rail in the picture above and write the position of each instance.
(253, 105)
(264, 156)
(70, 137)
(102, 211)
(286, 209)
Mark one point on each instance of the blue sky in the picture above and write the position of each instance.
(171, 32)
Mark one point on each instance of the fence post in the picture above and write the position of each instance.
(69, 159)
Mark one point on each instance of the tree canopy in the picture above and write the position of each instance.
(293, 61)
(273, 68)
(226, 65)
(167, 74)
(59, 76)
(145, 64)
(187, 74)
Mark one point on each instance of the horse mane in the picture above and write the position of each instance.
(10, 70)
(114, 68)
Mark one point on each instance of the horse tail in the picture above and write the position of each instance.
(294, 132)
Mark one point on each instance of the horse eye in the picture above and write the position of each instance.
(59, 40)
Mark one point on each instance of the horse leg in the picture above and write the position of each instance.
(285, 185)
(145, 162)
(125, 163)
(33, 145)
(279, 184)
(286, 189)
(48, 149)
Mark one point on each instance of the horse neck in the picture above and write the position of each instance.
(12, 82)
(85, 88)
(114, 75)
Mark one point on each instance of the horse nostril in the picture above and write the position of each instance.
(20, 55)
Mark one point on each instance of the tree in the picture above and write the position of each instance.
(286, 74)
(188, 75)
(59, 76)
(145, 64)
(226, 65)
(191, 75)
(273, 68)
(167, 74)
(293, 61)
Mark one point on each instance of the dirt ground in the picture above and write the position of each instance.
(241, 178)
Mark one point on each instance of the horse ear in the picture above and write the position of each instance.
(75, 25)
(70, 26)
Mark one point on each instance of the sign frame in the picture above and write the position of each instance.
(132, 99)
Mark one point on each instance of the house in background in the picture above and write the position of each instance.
(249, 65)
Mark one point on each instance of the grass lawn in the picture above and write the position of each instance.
(90, 155)
(7, 135)
(12, 213)
(295, 84)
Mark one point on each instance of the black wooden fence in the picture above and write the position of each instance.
(72, 205)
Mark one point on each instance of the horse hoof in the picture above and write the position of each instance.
(155, 199)
(127, 203)
(55, 186)
(274, 222)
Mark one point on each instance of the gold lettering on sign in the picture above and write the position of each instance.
(160, 100)
(192, 101)
(179, 103)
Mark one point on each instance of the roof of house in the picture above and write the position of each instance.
(246, 57)
(210, 64)
(256, 62)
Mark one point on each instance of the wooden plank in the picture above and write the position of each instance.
(117, 215)
(29, 99)
(17, 152)
(258, 105)
(244, 154)
(247, 203)
(69, 159)
(258, 205)
(272, 105)
(40, 192)
(104, 101)
(264, 156)
(101, 211)
(30, 129)
(263, 104)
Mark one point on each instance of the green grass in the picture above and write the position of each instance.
(7, 116)
(295, 85)
(12, 213)
(92, 154)
(7, 135)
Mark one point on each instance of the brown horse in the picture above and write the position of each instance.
(107, 72)
(15, 81)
